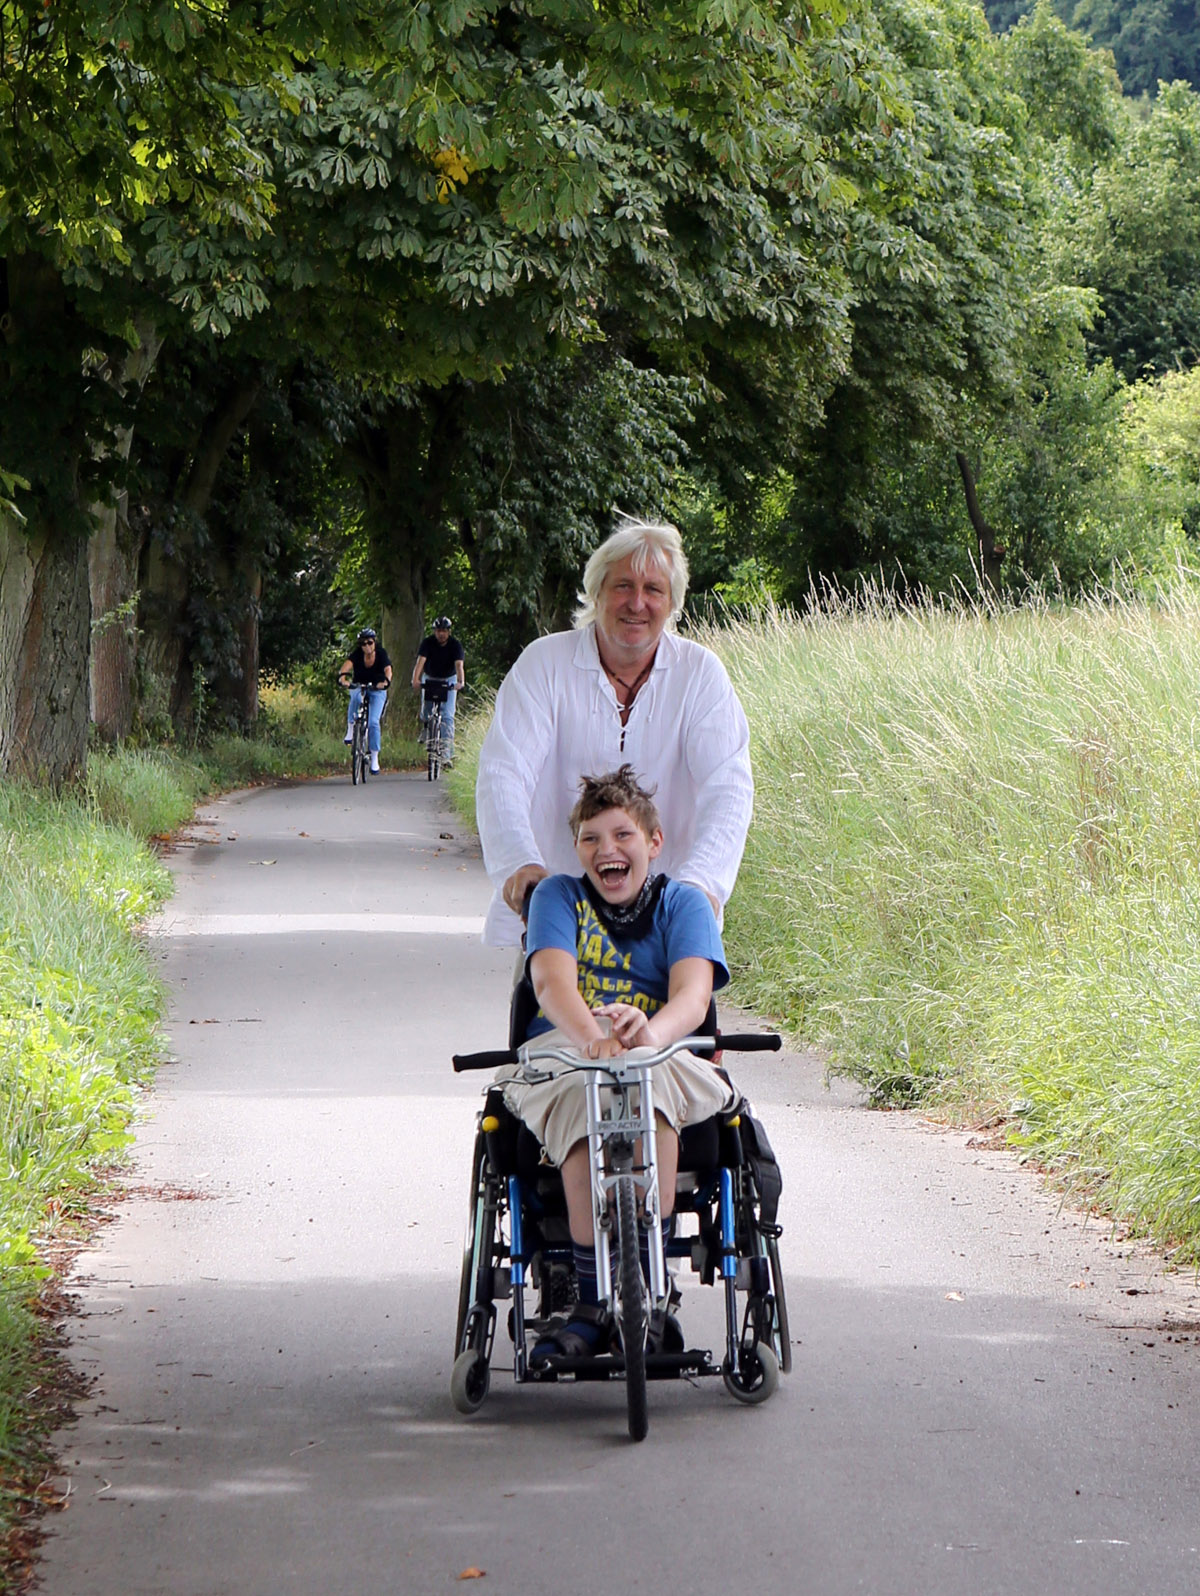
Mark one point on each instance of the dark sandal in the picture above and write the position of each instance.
(582, 1336)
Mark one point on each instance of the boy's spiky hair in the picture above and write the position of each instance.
(619, 789)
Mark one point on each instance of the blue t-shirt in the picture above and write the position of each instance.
(623, 969)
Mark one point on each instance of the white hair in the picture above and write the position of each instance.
(650, 543)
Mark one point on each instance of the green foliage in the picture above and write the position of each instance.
(1161, 447)
(1152, 41)
(1132, 233)
(79, 1005)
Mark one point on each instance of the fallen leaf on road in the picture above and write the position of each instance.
(955, 1296)
(446, 836)
(473, 1573)
(1079, 1285)
(264, 861)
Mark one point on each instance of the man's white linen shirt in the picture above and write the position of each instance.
(557, 718)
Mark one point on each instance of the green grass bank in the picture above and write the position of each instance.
(973, 873)
(80, 1018)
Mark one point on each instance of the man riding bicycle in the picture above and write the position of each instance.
(370, 670)
(440, 658)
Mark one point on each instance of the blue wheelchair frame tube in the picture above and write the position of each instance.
(729, 1264)
(516, 1258)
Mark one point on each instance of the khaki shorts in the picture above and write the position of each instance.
(687, 1090)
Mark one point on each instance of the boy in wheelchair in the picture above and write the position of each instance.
(618, 959)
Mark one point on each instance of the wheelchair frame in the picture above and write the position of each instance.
(517, 1237)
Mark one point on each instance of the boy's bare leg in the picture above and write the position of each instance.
(577, 1183)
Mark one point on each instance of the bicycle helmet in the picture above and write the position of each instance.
(367, 635)
(442, 624)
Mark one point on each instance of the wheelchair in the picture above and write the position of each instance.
(518, 1250)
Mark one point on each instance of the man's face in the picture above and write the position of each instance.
(633, 607)
(442, 633)
(616, 853)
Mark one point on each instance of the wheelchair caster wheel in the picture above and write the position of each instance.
(754, 1377)
(469, 1381)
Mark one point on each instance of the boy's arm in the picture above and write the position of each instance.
(555, 976)
(689, 989)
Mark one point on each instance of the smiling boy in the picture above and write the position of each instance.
(619, 958)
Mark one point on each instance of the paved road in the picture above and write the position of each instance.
(989, 1395)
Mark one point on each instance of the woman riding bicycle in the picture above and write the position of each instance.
(370, 670)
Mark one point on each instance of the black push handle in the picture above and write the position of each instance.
(494, 1060)
(750, 1042)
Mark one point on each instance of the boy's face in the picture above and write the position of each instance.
(616, 853)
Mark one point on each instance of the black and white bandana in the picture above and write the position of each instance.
(627, 919)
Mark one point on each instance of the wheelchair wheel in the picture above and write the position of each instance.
(632, 1310)
(782, 1337)
(754, 1376)
(469, 1272)
(469, 1381)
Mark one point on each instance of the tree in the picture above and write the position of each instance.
(1151, 41)
(115, 125)
(1131, 232)
(490, 182)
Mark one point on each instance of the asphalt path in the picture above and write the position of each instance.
(991, 1393)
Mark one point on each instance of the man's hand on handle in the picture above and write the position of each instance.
(520, 882)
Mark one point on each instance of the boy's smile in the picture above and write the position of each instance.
(616, 853)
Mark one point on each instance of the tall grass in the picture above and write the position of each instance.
(79, 1015)
(973, 876)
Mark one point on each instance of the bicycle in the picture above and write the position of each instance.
(734, 1202)
(360, 728)
(434, 692)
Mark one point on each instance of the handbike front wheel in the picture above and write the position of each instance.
(632, 1310)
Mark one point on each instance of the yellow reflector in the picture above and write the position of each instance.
(491, 1123)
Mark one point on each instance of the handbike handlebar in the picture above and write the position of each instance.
(530, 1053)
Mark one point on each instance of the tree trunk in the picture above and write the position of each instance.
(406, 462)
(44, 616)
(991, 553)
(112, 575)
(44, 607)
(166, 653)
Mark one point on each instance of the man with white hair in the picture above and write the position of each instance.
(621, 688)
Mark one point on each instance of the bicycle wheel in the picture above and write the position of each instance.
(433, 744)
(358, 752)
(632, 1311)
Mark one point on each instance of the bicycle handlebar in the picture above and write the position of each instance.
(497, 1058)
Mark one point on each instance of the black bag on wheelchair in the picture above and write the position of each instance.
(764, 1167)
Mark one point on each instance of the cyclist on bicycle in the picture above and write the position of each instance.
(369, 668)
(441, 657)
(620, 958)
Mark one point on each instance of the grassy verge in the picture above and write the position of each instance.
(80, 1011)
(974, 871)
(79, 1014)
